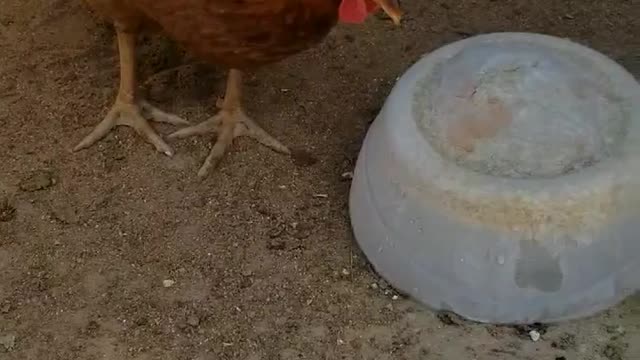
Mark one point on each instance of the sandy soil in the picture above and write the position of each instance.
(261, 269)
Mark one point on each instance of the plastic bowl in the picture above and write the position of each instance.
(501, 181)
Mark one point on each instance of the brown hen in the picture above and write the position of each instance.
(238, 34)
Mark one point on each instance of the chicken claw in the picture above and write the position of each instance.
(135, 116)
(229, 123)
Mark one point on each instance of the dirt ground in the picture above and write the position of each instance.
(258, 267)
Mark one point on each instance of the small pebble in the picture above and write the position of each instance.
(168, 283)
(8, 341)
(534, 335)
(347, 175)
(247, 272)
(193, 320)
(395, 297)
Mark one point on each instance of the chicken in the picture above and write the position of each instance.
(238, 34)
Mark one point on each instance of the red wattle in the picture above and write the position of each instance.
(356, 11)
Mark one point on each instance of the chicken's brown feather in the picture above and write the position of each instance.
(238, 34)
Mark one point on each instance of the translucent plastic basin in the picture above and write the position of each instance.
(501, 181)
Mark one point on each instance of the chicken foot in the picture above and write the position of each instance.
(129, 111)
(229, 123)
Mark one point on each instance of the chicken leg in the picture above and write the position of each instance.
(128, 110)
(229, 123)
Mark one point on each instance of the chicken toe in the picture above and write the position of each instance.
(135, 116)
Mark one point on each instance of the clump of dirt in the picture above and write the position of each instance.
(615, 350)
(565, 342)
(38, 180)
(7, 210)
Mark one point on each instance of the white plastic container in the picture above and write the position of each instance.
(501, 181)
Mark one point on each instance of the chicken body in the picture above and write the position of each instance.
(238, 34)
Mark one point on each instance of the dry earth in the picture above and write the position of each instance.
(262, 268)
